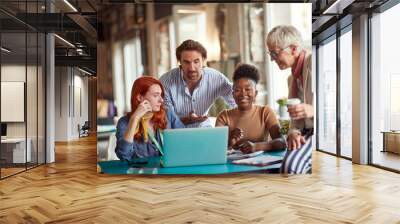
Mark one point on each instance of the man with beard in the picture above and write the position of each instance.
(192, 88)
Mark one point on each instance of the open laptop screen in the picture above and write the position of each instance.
(195, 146)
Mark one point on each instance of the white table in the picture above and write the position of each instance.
(18, 150)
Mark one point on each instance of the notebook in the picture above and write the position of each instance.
(262, 160)
(237, 154)
(195, 146)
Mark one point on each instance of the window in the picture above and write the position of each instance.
(385, 86)
(133, 66)
(327, 96)
(118, 82)
(346, 94)
(195, 22)
(127, 66)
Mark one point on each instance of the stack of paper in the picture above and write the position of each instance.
(237, 154)
(262, 160)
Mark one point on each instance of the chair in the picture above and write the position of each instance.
(112, 143)
(84, 130)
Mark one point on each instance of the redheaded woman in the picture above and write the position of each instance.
(139, 133)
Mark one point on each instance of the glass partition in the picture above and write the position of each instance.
(13, 88)
(385, 89)
(22, 88)
(327, 96)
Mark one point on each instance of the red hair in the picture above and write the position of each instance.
(140, 87)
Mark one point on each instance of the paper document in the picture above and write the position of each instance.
(261, 160)
(237, 154)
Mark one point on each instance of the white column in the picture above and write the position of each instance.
(50, 98)
(360, 90)
(63, 104)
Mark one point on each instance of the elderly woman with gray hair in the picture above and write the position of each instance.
(285, 47)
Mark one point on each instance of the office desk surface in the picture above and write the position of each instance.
(13, 140)
(152, 166)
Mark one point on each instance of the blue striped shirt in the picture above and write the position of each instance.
(212, 85)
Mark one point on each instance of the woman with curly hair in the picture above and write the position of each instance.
(250, 125)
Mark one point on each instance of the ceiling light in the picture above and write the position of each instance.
(79, 51)
(65, 41)
(5, 50)
(84, 71)
(337, 7)
(70, 5)
(188, 11)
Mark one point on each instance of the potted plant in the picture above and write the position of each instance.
(283, 115)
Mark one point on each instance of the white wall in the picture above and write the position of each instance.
(71, 94)
(61, 104)
(79, 117)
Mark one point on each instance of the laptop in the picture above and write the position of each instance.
(195, 146)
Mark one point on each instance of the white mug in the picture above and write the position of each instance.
(293, 101)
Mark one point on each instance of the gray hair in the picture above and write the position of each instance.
(283, 36)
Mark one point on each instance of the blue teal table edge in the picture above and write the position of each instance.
(152, 166)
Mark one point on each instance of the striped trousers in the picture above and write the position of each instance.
(298, 161)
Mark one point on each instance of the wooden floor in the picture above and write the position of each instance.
(387, 159)
(5, 172)
(10, 171)
(70, 191)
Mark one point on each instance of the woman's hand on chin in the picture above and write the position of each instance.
(143, 108)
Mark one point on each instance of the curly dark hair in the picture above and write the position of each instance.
(246, 71)
(190, 45)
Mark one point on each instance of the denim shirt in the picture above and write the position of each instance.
(131, 150)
